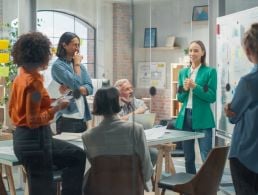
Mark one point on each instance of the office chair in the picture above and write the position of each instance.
(115, 175)
(205, 182)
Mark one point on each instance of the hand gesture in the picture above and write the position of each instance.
(62, 103)
(77, 58)
(228, 111)
(186, 84)
(63, 89)
(191, 84)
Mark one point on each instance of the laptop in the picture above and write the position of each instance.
(146, 120)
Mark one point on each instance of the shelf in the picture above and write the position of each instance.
(203, 22)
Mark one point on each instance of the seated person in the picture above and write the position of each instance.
(114, 136)
(131, 105)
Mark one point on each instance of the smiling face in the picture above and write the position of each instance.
(72, 47)
(196, 53)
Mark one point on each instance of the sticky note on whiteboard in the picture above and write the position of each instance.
(4, 43)
(4, 71)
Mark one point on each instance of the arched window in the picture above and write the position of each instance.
(54, 23)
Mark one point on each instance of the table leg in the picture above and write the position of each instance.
(2, 187)
(164, 149)
(158, 169)
(9, 175)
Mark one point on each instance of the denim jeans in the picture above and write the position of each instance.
(205, 144)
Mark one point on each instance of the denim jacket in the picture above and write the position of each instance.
(63, 73)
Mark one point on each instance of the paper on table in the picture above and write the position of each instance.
(154, 133)
(7, 150)
(69, 136)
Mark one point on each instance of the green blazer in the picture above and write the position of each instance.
(203, 95)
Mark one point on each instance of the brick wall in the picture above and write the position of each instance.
(122, 42)
(123, 62)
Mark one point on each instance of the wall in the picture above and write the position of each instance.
(122, 41)
(170, 18)
(233, 6)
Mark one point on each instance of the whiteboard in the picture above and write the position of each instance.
(232, 62)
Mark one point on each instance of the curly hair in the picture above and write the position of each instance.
(31, 50)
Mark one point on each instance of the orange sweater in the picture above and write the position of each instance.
(30, 103)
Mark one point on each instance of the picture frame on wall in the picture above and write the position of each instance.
(150, 37)
(200, 13)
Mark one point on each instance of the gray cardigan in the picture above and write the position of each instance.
(116, 137)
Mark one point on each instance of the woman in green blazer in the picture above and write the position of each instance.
(197, 90)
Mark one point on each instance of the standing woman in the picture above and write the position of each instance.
(243, 112)
(68, 71)
(31, 112)
(197, 90)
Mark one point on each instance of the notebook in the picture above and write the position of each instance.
(146, 120)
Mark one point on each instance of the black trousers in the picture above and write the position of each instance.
(245, 181)
(39, 153)
(70, 125)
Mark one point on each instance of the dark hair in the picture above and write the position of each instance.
(31, 50)
(106, 102)
(65, 38)
(203, 58)
(250, 40)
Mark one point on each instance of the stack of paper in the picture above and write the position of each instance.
(155, 133)
(69, 136)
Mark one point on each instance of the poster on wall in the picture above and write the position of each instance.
(151, 74)
(232, 62)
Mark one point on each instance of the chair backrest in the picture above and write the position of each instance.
(115, 175)
(207, 179)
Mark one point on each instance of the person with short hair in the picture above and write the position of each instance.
(129, 104)
(243, 112)
(114, 136)
(31, 112)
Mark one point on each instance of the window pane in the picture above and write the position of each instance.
(45, 23)
(80, 29)
(62, 23)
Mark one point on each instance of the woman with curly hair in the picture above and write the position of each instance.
(31, 112)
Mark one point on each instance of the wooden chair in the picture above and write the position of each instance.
(207, 179)
(115, 175)
(2, 187)
(8, 169)
(57, 178)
